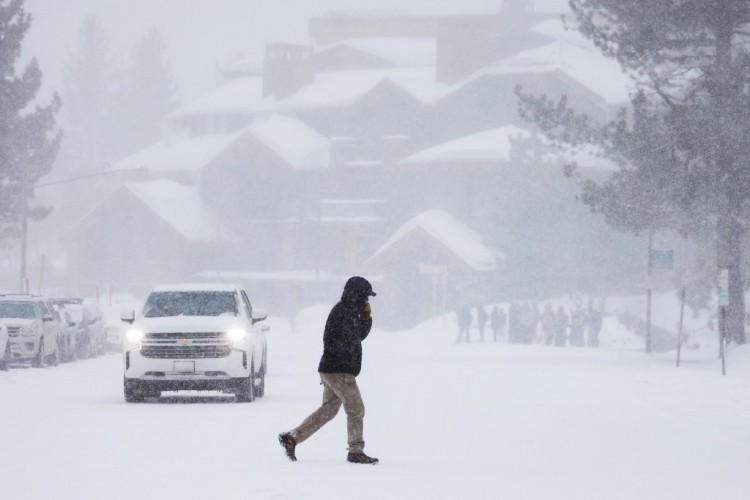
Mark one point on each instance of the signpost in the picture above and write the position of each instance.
(683, 284)
(723, 284)
(657, 259)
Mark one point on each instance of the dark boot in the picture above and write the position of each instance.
(287, 441)
(361, 458)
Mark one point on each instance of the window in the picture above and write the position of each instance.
(203, 303)
(24, 310)
(248, 306)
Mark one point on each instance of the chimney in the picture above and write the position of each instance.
(286, 69)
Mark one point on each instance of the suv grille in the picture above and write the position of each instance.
(14, 331)
(185, 346)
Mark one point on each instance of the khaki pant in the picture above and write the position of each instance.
(338, 388)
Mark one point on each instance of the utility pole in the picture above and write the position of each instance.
(648, 291)
(22, 285)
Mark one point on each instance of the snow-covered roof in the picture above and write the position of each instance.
(590, 157)
(344, 88)
(401, 51)
(179, 153)
(240, 95)
(463, 241)
(179, 206)
(490, 145)
(599, 74)
(589, 67)
(298, 144)
(447, 8)
(246, 64)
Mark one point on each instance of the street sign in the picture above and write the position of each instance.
(662, 259)
(723, 283)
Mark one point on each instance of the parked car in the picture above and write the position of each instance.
(4, 347)
(84, 347)
(195, 337)
(32, 329)
(97, 329)
(66, 339)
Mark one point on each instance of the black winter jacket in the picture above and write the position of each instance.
(344, 332)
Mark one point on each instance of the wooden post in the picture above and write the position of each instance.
(679, 329)
(722, 336)
(648, 292)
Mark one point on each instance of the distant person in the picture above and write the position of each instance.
(561, 328)
(482, 318)
(577, 325)
(548, 324)
(463, 316)
(348, 324)
(594, 326)
(497, 323)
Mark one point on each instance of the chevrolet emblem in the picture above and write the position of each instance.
(184, 342)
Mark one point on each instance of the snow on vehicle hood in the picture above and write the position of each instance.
(23, 323)
(188, 324)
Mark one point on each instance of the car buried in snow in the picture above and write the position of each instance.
(195, 337)
(32, 329)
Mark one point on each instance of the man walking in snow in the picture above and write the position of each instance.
(348, 324)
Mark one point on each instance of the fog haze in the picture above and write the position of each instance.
(348, 128)
(201, 34)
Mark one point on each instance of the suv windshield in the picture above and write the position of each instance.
(23, 310)
(161, 304)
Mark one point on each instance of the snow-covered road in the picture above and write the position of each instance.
(447, 421)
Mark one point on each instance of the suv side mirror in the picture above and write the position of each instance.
(47, 317)
(128, 316)
(259, 315)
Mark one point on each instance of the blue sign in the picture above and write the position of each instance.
(662, 259)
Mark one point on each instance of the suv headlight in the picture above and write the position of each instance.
(236, 334)
(135, 335)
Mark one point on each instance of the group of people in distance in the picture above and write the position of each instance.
(525, 324)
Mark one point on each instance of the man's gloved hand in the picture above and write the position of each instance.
(367, 314)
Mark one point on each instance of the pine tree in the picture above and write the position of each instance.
(29, 141)
(89, 83)
(147, 94)
(683, 144)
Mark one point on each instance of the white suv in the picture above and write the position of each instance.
(31, 328)
(195, 337)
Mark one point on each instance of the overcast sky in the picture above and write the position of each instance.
(203, 34)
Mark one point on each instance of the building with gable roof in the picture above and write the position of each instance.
(429, 265)
(147, 232)
(315, 155)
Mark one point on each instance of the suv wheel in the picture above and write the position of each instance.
(260, 386)
(54, 358)
(6, 357)
(40, 358)
(133, 393)
(85, 350)
(246, 391)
